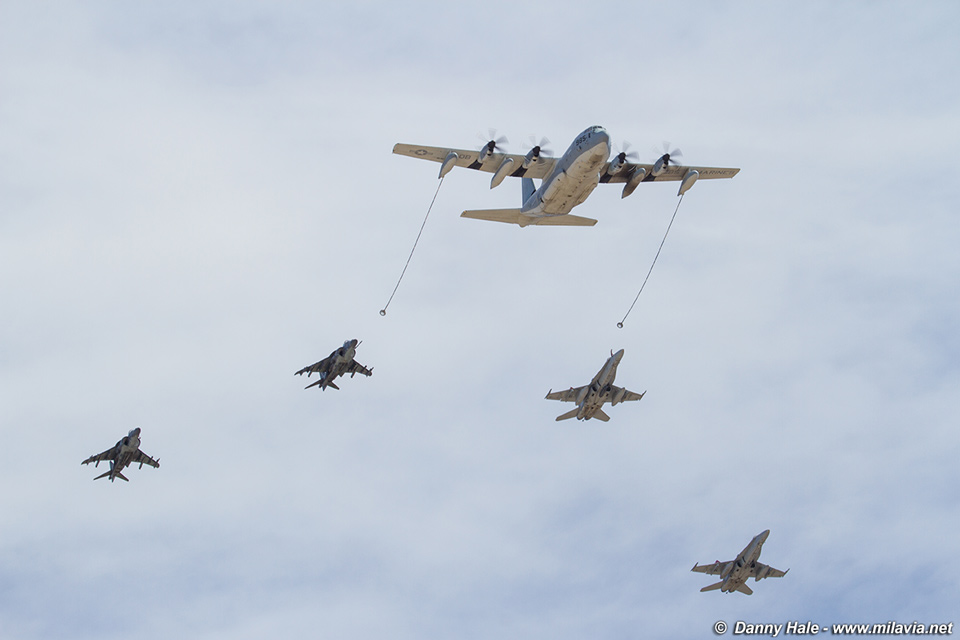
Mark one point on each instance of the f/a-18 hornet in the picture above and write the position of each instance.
(336, 364)
(125, 452)
(565, 181)
(735, 573)
(590, 398)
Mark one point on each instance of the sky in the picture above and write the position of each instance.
(197, 199)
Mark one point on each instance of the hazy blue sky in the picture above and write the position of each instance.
(199, 198)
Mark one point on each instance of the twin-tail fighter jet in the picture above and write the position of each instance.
(590, 398)
(565, 181)
(735, 573)
(125, 452)
(336, 364)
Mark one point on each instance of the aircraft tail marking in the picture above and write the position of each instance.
(569, 414)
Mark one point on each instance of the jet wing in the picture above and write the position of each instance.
(143, 459)
(671, 173)
(570, 395)
(470, 159)
(355, 367)
(714, 569)
(627, 395)
(317, 367)
(762, 571)
(109, 454)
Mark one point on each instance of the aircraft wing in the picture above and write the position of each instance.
(355, 367)
(714, 569)
(627, 396)
(109, 454)
(762, 571)
(570, 395)
(671, 173)
(317, 367)
(143, 459)
(470, 159)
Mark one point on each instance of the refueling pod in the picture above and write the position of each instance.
(502, 172)
(633, 182)
(688, 180)
(448, 163)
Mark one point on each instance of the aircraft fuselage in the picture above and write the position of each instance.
(743, 566)
(574, 177)
(599, 390)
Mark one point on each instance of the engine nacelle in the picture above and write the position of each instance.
(660, 165)
(634, 182)
(448, 163)
(531, 158)
(486, 151)
(688, 181)
(617, 165)
(502, 172)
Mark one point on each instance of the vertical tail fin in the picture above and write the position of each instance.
(528, 189)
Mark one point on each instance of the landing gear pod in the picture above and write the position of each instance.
(448, 163)
(633, 182)
(502, 172)
(688, 181)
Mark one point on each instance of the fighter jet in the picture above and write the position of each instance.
(126, 451)
(735, 573)
(591, 397)
(336, 364)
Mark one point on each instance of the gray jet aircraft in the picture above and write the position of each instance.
(126, 451)
(336, 364)
(735, 573)
(590, 398)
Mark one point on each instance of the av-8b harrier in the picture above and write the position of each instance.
(735, 573)
(590, 398)
(336, 364)
(125, 452)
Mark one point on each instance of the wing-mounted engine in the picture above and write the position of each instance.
(534, 154)
(621, 159)
(491, 146)
(664, 161)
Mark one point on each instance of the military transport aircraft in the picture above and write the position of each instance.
(126, 451)
(735, 573)
(565, 181)
(590, 398)
(336, 364)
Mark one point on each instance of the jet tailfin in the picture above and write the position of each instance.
(712, 587)
(600, 415)
(569, 414)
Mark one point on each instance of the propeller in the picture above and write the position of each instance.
(624, 153)
(493, 143)
(669, 157)
(540, 147)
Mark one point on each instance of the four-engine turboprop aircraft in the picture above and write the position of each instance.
(126, 451)
(734, 573)
(590, 398)
(336, 364)
(565, 181)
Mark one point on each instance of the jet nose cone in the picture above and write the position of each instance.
(763, 536)
(618, 355)
(135, 432)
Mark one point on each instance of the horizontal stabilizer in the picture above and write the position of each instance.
(569, 414)
(600, 415)
(713, 587)
(102, 475)
(514, 216)
(745, 589)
